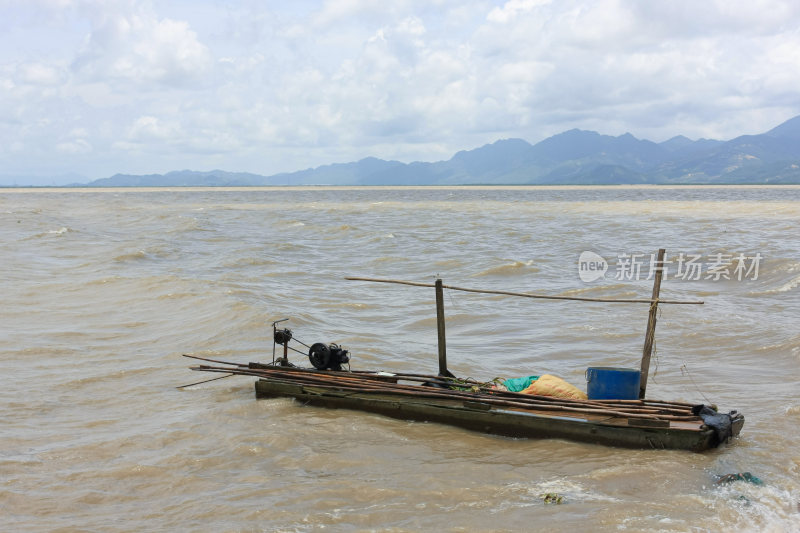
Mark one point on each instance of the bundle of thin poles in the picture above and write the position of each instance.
(446, 388)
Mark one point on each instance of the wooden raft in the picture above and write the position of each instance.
(473, 405)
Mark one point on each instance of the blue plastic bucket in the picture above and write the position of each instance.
(606, 383)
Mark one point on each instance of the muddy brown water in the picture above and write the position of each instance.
(102, 290)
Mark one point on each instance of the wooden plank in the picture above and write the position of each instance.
(265, 388)
(481, 406)
(508, 422)
(648, 423)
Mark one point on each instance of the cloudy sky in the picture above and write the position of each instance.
(96, 87)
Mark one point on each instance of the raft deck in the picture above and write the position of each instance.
(648, 424)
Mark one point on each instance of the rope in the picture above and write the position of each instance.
(685, 372)
(524, 294)
(655, 348)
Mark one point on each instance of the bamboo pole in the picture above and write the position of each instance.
(270, 370)
(192, 356)
(650, 334)
(349, 382)
(440, 330)
(525, 294)
(321, 382)
(204, 381)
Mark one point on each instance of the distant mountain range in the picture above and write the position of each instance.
(575, 157)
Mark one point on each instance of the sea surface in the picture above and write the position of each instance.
(103, 290)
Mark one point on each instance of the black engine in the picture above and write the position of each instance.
(322, 356)
(327, 356)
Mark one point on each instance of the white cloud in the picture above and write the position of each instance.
(139, 86)
(513, 8)
(140, 48)
(334, 12)
(77, 146)
(40, 74)
(149, 128)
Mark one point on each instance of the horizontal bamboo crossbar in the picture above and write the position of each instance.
(527, 294)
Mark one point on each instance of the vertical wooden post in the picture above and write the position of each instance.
(440, 328)
(649, 336)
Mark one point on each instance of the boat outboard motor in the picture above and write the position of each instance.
(327, 356)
